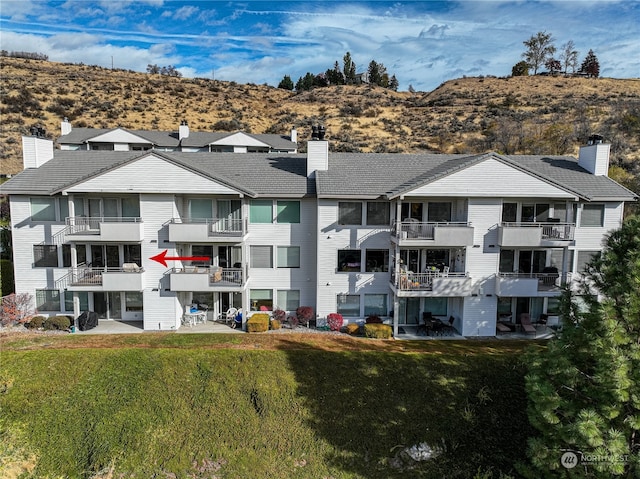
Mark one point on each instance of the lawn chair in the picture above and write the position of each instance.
(230, 315)
(525, 322)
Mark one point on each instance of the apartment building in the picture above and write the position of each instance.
(475, 239)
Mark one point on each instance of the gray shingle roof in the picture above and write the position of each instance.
(362, 175)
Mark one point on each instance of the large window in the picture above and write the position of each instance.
(261, 256)
(43, 209)
(509, 212)
(133, 254)
(288, 300)
(437, 306)
(349, 213)
(83, 296)
(288, 256)
(377, 260)
(378, 213)
(288, 212)
(81, 253)
(439, 212)
(47, 300)
(507, 261)
(348, 305)
(261, 211)
(197, 250)
(133, 301)
(349, 260)
(45, 255)
(261, 298)
(375, 304)
(200, 208)
(592, 215)
(553, 306)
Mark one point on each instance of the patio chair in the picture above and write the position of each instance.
(448, 326)
(525, 322)
(230, 315)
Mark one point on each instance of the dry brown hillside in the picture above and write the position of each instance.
(551, 115)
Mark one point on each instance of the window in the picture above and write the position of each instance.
(133, 301)
(260, 211)
(64, 209)
(197, 250)
(538, 212)
(439, 212)
(349, 260)
(509, 212)
(261, 256)
(437, 306)
(133, 254)
(201, 209)
(288, 212)
(45, 255)
(288, 300)
(349, 305)
(377, 260)
(261, 297)
(507, 261)
(288, 256)
(130, 207)
(47, 300)
(349, 213)
(592, 215)
(378, 213)
(375, 304)
(553, 306)
(83, 296)
(81, 253)
(583, 258)
(411, 210)
(43, 209)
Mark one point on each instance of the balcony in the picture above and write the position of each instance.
(206, 278)
(104, 229)
(529, 284)
(415, 233)
(128, 277)
(535, 234)
(441, 284)
(185, 230)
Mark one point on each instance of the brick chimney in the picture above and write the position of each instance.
(183, 132)
(36, 149)
(317, 152)
(594, 156)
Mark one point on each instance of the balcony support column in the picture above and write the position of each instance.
(396, 267)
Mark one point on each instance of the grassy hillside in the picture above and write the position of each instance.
(298, 406)
(511, 115)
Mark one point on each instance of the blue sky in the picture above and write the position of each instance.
(422, 43)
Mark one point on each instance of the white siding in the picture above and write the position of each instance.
(148, 175)
(490, 178)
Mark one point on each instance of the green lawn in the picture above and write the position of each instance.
(180, 408)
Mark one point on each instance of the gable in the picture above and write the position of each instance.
(118, 136)
(239, 139)
(151, 174)
(490, 178)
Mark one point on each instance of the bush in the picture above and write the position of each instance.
(377, 331)
(279, 315)
(373, 319)
(304, 314)
(36, 322)
(353, 328)
(335, 320)
(258, 323)
(59, 323)
(276, 324)
(292, 321)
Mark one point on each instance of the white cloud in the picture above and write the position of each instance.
(185, 12)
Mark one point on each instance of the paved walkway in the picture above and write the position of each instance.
(125, 327)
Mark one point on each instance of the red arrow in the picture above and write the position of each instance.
(162, 258)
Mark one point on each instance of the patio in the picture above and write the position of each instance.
(128, 327)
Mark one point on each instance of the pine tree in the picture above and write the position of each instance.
(349, 69)
(584, 388)
(590, 65)
(286, 83)
(393, 83)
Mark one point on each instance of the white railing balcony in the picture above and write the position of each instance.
(450, 233)
(104, 228)
(435, 283)
(530, 284)
(128, 277)
(187, 230)
(534, 234)
(206, 278)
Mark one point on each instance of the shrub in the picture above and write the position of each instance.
(353, 328)
(275, 324)
(59, 323)
(335, 320)
(279, 315)
(373, 319)
(35, 323)
(292, 321)
(377, 331)
(258, 323)
(304, 314)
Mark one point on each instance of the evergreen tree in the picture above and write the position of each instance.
(349, 69)
(286, 83)
(393, 83)
(334, 76)
(374, 73)
(584, 389)
(520, 69)
(590, 65)
(539, 48)
(305, 83)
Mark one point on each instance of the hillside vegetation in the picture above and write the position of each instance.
(535, 114)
